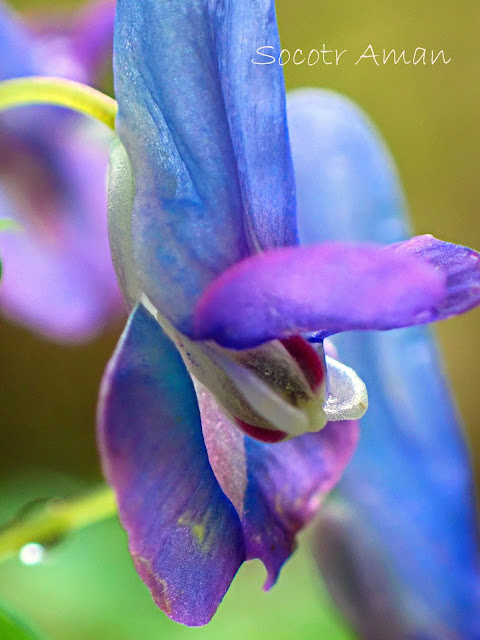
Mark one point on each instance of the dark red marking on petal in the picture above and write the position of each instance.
(307, 359)
(269, 436)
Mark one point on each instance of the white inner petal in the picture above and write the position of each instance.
(347, 397)
(270, 405)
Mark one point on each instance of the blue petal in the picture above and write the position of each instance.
(349, 552)
(410, 481)
(205, 132)
(184, 534)
(347, 187)
(255, 105)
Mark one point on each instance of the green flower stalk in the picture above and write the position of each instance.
(55, 519)
(60, 92)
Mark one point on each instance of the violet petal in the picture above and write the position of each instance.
(331, 287)
(184, 534)
(276, 488)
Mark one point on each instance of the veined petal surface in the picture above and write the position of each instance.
(200, 140)
(462, 266)
(409, 487)
(256, 109)
(184, 534)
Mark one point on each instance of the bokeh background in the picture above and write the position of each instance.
(86, 588)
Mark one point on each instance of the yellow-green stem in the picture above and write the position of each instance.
(36, 90)
(55, 519)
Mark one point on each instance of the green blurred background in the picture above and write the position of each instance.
(87, 588)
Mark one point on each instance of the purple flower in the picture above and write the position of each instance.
(58, 278)
(203, 228)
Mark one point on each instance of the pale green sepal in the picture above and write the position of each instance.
(121, 191)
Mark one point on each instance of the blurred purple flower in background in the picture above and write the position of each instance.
(399, 543)
(203, 227)
(57, 279)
